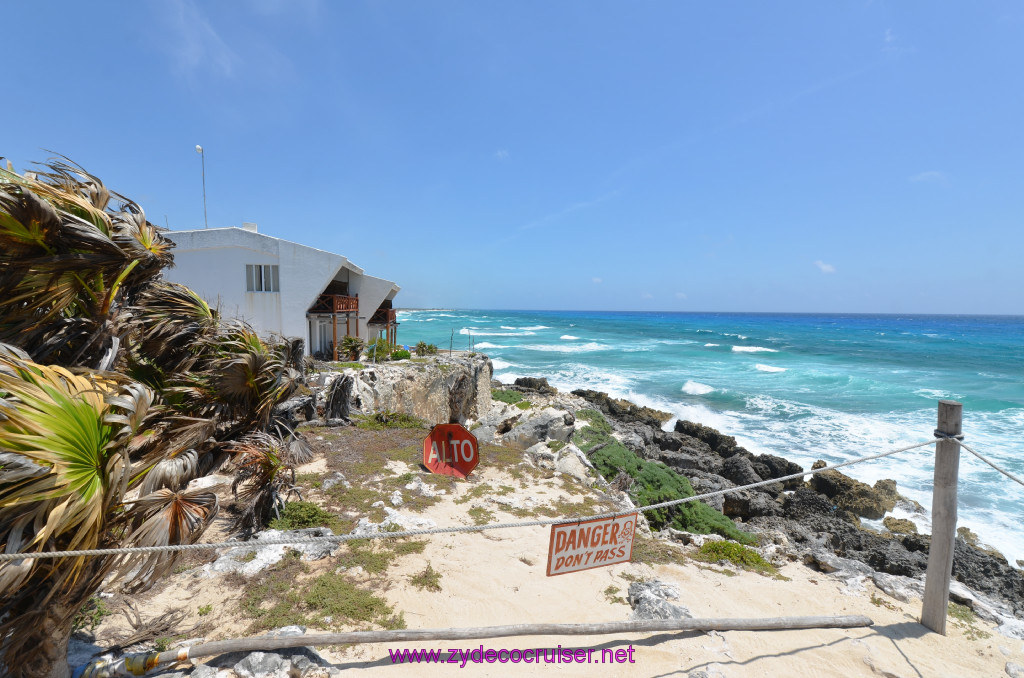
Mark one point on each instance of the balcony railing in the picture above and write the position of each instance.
(384, 316)
(335, 303)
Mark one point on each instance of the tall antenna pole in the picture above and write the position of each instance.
(199, 150)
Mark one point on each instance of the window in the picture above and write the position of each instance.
(262, 278)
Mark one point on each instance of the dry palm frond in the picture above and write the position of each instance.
(69, 265)
(162, 518)
(262, 480)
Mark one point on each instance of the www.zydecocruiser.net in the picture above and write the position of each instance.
(548, 655)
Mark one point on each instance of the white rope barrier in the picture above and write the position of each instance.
(341, 538)
(992, 464)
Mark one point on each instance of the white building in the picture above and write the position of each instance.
(281, 287)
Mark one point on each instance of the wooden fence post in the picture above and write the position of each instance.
(940, 554)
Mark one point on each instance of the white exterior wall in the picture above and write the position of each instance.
(212, 262)
(372, 292)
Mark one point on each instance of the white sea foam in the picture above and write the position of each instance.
(711, 344)
(697, 388)
(568, 337)
(754, 349)
(769, 368)
(506, 327)
(567, 348)
(486, 344)
(501, 364)
(535, 328)
(475, 333)
(937, 394)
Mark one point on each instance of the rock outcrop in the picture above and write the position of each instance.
(444, 389)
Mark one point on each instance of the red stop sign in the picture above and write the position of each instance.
(451, 450)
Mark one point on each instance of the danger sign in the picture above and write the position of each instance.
(451, 450)
(591, 543)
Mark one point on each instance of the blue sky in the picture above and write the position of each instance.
(740, 156)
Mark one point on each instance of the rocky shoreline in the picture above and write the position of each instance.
(817, 520)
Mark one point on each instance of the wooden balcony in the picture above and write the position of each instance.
(384, 316)
(335, 303)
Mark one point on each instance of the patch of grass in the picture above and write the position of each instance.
(270, 599)
(313, 480)
(524, 404)
(367, 555)
(332, 595)
(480, 515)
(345, 366)
(611, 593)
(967, 621)
(90, 616)
(205, 610)
(247, 557)
(477, 492)
(506, 396)
(407, 548)
(737, 554)
(162, 644)
(555, 445)
(654, 551)
(429, 579)
(301, 514)
(385, 420)
(500, 457)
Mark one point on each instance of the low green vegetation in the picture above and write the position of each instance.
(379, 351)
(90, 616)
(429, 579)
(385, 420)
(205, 610)
(524, 404)
(737, 554)
(654, 551)
(611, 593)
(967, 621)
(655, 483)
(400, 354)
(301, 514)
(348, 365)
(555, 445)
(283, 595)
(480, 515)
(506, 396)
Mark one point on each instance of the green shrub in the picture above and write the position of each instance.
(506, 396)
(400, 354)
(379, 350)
(524, 404)
(299, 514)
(741, 556)
(654, 484)
(423, 348)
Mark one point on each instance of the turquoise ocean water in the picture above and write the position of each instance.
(802, 386)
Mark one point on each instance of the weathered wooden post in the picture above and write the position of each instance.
(940, 554)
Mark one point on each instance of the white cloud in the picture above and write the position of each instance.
(931, 176)
(825, 268)
(596, 281)
(890, 37)
(501, 154)
(196, 45)
(647, 295)
(680, 295)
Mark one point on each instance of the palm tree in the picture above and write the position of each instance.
(93, 458)
(70, 264)
(74, 436)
